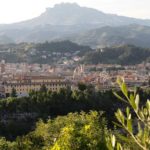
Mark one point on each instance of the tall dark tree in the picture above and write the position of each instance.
(43, 88)
(82, 86)
(13, 92)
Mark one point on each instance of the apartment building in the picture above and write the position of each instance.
(24, 85)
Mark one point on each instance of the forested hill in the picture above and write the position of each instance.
(41, 52)
(126, 55)
(54, 52)
(61, 46)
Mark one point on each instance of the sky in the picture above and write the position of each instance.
(18, 10)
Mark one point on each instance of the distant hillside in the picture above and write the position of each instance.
(110, 36)
(62, 21)
(5, 39)
(64, 51)
(61, 46)
(48, 52)
(125, 55)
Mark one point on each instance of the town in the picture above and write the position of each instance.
(74, 75)
(24, 77)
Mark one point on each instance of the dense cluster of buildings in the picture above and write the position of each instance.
(24, 84)
(104, 76)
(25, 77)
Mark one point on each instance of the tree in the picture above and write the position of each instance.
(74, 131)
(6, 145)
(82, 86)
(43, 88)
(13, 92)
(135, 121)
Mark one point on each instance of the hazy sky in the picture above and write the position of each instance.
(18, 10)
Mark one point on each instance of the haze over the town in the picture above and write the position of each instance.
(19, 10)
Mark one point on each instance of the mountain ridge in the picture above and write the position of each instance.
(110, 36)
(63, 8)
(61, 21)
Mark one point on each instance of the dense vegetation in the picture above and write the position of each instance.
(57, 52)
(84, 130)
(71, 132)
(43, 104)
(41, 53)
(62, 47)
(125, 55)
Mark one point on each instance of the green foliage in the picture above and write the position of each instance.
(5, 145)
(80, 130)
(71, 132)
(22, 113)
(125, 55)
(60, 102)
(43, 88)
(24, 52)
(136, 123)
(61, 46)
(13, 92)
(74, 131)
(82, 86)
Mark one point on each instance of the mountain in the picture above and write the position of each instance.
(72, 14)
(63, 20)
(5, 39)
(125, 55)
(109, 36)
